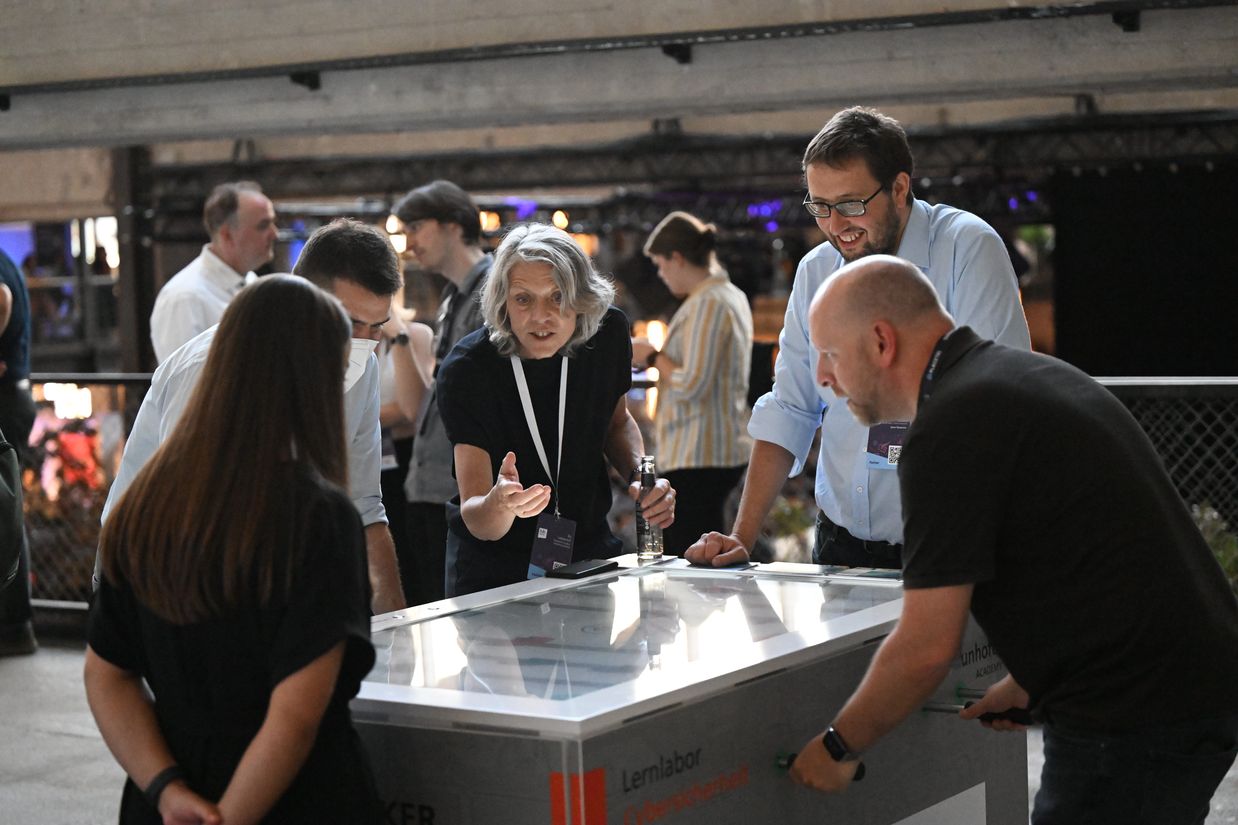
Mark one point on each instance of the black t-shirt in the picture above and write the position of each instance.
(1023, 476)
(213, 679)
(480, 406)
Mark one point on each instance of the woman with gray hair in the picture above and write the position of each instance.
(533, 404)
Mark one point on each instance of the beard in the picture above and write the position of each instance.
(869, 408)
(866, 414)
(881, 238)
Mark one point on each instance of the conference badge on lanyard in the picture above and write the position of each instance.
(555, 535)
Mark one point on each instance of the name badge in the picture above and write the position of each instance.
(552, 544)
(885, 444)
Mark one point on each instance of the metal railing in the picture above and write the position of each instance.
(1193, 422)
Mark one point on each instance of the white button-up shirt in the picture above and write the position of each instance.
(191, 301)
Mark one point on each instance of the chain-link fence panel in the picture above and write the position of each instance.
(1194, 426)
(75, 449)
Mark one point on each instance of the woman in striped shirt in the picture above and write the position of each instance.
(702, 441)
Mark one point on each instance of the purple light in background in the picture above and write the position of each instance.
(524, 208)
(1031, 195)
(1013, 203)
(764, 209)
(772, 226)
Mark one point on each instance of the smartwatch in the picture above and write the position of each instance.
(836, 746)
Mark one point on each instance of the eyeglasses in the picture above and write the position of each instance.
(848, 209)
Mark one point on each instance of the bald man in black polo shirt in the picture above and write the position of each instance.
(1032, 499)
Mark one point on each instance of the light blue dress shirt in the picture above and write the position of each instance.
(968, 264)
(171, 386)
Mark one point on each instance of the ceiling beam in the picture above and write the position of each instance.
(1174, 50)
(671, 162)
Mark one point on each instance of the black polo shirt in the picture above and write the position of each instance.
(1023, 476)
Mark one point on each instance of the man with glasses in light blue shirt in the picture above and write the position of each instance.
(858, 169)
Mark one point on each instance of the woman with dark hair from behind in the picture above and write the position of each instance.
(703, 367)
(234, 584)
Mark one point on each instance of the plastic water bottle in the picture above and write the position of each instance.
(648, 536)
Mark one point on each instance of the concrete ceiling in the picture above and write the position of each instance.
(439, 76)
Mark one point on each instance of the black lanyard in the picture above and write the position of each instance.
(933, 370)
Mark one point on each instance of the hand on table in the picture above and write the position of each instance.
(716, 550)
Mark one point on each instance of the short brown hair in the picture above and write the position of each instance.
(223, 202)
(685, 234)
(442, 201)
(859, 132)
(349, 250)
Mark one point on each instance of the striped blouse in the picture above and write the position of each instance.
(703, 410)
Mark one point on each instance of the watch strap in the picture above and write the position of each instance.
(154, 789)
(837, 747)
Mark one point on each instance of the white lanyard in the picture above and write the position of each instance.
(526, 401)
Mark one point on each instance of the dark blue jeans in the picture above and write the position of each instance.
(1156, 776)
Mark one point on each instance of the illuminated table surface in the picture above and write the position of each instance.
(663, 694)
(573, 657)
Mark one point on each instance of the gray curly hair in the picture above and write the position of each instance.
(584, 290)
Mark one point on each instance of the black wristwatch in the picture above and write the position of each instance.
(400, 340)
(836, 746)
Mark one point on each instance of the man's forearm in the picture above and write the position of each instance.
(384, 570)
(767, 472)
(897, 683)
(909, 665)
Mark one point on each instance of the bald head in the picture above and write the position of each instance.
(874, 324)
(880, 288)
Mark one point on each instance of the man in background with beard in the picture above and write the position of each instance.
(858, 169)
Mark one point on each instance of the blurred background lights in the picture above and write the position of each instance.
(70, 400)
(490, 221)
(655, 332)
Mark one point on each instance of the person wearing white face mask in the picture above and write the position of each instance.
(356, 263)
(359, 352)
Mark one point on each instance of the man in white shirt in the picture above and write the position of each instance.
(356, 263)
(241, 223)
